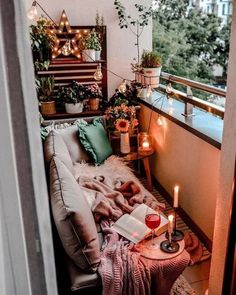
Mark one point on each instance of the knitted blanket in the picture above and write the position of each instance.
(125, 272)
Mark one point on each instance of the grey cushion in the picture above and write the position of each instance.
(73, 218)
(54, 145)
(81, 280)
(76, 150)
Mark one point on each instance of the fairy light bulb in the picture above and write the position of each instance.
(98, 73)
(32, 12)
(122, 88)
(169, 88)
(66, 49)
(149, 91)
(159, 121)
(170, 101)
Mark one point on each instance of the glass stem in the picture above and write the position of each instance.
(170, 238)
(153, 244)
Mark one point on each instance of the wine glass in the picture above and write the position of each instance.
(152, 221)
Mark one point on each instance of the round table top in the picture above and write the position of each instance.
(133, 156)
(157, 253)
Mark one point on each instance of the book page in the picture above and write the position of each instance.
(142, 210)
(131, 228)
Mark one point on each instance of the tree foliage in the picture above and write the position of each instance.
(190, 41)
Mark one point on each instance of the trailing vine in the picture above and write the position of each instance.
(136, 25)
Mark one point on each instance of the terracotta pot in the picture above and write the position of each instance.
(74, 108)
(94, 104)
(48, 108)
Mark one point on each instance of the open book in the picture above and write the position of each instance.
(132, 226)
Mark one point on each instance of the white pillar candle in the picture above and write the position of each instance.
(145, 145)
(176, 196)
(170, 223)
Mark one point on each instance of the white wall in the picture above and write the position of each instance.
(184, 159)
(120, 43)
(225, 188)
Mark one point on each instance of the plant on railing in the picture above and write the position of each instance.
(136, 25)
(151, 59)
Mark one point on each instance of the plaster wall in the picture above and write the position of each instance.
(120, 43)
(184, 159)
(225, 189)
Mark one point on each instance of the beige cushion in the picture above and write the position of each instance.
(76, 150)
(73, 218)
(54, 145)
(81, 280)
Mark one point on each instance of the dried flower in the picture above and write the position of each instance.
(122, 125)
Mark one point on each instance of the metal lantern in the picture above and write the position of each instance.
(144, 143)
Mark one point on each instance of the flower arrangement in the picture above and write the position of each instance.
(93, 91)
(122, 118)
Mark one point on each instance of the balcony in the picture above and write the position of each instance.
(194, 148)
(187, 135)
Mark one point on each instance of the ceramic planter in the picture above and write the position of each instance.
(74, 108)
(48, 108)
(88, 55)
(152, 76)
(124, 143)
(97, 54)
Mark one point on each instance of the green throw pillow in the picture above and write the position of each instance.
(94, 139)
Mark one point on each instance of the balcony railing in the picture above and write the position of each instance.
(185, 97)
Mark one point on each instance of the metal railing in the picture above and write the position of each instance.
(200, 103)
(185, 97)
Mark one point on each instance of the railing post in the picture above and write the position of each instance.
(188, 107)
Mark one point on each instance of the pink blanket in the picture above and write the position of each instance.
(125, 272)
(111, 202)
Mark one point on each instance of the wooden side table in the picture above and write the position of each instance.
(134, 155)
(145, 159)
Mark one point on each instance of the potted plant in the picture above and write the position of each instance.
(94, 94)
(151, 66)
(41, 41)
(73, 97)
(45, 88)
(91, 44)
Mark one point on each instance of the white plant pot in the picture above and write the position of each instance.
(74, 108)
(124, 143)
(97, 54)
(88, 55)
(152, 76)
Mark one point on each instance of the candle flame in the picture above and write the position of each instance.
(176, 188)
(171, 217)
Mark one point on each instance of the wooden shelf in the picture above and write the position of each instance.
(62, 115)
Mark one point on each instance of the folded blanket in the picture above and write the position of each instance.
(124, 272)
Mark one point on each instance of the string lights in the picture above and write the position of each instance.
(98, 73)
(71, 47)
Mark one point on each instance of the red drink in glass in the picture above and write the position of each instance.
(152, 220)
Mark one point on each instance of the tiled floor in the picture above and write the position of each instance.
(198, 276)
